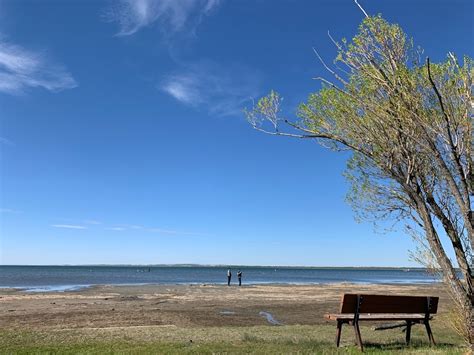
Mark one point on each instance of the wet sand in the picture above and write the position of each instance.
(187, 305)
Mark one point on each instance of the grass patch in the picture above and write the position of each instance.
(221, 340)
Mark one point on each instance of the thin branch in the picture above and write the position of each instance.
(284, 134)
(329, 69)
(451, 143)
(361, 8)
(334, 41)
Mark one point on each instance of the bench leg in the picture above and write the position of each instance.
(430, 334)
(357, 335)
(408, 333)
(338, 332)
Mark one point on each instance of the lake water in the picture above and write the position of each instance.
(57, 278)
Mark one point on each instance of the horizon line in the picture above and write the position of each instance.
(228, 266)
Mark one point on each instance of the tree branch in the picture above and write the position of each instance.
(361, 8)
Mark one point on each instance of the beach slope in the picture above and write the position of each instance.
(201, 318)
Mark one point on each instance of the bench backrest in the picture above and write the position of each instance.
(360, 303)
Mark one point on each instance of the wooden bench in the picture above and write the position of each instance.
(411, 310)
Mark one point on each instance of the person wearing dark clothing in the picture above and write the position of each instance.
(239, 276)
(229, 276)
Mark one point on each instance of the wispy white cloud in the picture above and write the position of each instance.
(21, 69)
(117, 229)
(6, 141)
(221, 90)
(175, 232)
(123, 227)
(134, 226)
(8, 210)
(155, 230)
(172, 15)
(68, 226)
(162, 231)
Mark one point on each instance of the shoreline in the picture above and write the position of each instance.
(79, 287)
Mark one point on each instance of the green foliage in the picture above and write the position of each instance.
(409, 124)
(385, 110)
(267, 108)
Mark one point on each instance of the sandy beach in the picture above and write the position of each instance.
(189, 319)
(186, 305)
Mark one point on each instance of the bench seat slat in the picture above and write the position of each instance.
(388, 304)
(375, 317)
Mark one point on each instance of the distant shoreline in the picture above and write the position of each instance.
(227, 266)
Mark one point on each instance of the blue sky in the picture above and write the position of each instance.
(122, 138)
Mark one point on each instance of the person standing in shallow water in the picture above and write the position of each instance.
(239, 276)
(229, 276)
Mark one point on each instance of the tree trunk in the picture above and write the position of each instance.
(462, 294)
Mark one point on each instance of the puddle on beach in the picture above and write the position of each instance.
(270, 318)
(61, 288)
(227, 313)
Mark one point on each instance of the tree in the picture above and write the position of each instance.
(408, 123)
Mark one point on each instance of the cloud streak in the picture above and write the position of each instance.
(175, 232)
(21, 69)
(68, 226)
(6, 141)
(223, 91)
(172, 15)
(125, 227)
(94, 225)
(8, 210)
(117, 229)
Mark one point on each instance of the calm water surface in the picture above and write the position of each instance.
(49, 278)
